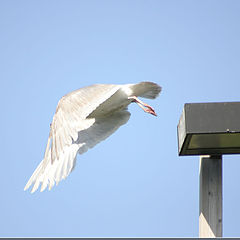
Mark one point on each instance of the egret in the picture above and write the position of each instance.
(83, 118)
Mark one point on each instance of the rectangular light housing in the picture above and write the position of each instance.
(209, 129)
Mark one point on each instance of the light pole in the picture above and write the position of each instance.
(210, 130)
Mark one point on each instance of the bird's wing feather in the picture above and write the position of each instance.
(48, 173)
(101, 129)
(71, 114)
(70, 119)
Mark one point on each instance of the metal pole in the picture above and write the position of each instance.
(210, 198)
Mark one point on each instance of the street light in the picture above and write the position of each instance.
(211, 130)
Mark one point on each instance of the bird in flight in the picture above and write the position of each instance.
(84, 118)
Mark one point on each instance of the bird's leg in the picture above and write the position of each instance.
(142, 105)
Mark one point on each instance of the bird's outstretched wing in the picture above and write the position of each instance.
(72, 112)
(101, 129)
(88, 138)
(69, 120)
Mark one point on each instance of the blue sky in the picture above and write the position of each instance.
(134, 184)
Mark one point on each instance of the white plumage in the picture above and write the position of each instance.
(84, 118)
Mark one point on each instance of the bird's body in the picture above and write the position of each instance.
(84, 118)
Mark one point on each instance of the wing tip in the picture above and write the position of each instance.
(27, 186)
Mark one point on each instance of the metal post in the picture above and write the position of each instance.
(210, 209)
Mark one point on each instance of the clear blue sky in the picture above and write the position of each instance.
(134, 183)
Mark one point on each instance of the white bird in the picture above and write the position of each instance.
(84, 118)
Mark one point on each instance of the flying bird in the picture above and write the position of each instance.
(84, 118)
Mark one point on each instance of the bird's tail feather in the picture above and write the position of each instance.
(146, 90)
